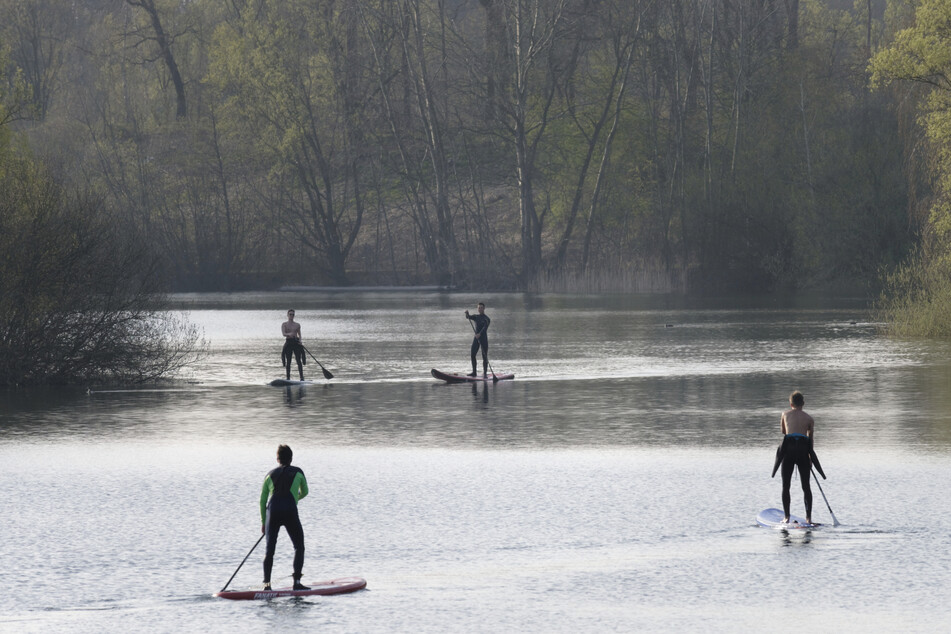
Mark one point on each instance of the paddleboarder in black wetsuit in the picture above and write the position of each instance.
(480, 324)
(283, 488)
(293, 348)
(796, 451)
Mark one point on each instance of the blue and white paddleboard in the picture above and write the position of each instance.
(773, 518)
(283, 382)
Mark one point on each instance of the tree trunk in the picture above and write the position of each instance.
(165, 50)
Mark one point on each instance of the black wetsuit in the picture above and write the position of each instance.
(282, 488)
(481, 340)
(796, 451)
(292, 346)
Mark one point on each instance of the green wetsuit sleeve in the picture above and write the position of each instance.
(299, 487)
(265, 494)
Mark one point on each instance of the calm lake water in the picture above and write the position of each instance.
(612, 486)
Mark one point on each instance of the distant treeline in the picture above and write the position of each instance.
(666, 145)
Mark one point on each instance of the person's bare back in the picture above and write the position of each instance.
(796, 421)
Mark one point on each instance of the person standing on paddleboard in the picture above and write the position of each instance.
(292, 345)
(283, 488)
(480, 324)
(796, 451)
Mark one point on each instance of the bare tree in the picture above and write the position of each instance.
(420, 137)
(40, 31)
(532, 29)
(163, 42)
(621, 29)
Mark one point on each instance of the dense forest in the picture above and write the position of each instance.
(578, 145)
(917, 297)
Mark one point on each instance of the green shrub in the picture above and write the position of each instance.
(79, 298)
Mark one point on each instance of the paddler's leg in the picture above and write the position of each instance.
(272, 526)
(786, 470)
(300, 368)
(476, 344)
(484, 344)
(804, 465)
(296, 533)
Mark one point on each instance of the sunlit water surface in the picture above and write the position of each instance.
(611, 486)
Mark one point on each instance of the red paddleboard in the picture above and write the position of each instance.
(335, 586)
(464, 378)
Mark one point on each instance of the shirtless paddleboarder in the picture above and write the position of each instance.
(796, 451)
(293, 349)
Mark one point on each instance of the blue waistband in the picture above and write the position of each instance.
(796, 436)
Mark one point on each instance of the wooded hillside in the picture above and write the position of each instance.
(601, 145)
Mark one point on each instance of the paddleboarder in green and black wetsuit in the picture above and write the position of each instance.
(480, 324)
(283, 488)
(796, 451)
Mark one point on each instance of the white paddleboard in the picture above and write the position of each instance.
(773, 518)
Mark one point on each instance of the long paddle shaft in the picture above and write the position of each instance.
(327, 374)
(835, 522)
(242, 562)
(495, 379)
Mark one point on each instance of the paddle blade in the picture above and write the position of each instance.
(327, 374)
